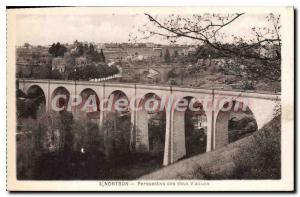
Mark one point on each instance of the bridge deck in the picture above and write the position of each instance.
(215, 90)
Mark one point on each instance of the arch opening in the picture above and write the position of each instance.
(117, 126)
(152, 126)
(37, 95)
(195, 129)
(90, 105)
(190, 124)
(118, 104)
(35, 103)
(234, 121)
(62, 101)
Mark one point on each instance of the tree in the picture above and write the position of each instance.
(44, 72)
(87, 136)
(80, 49)
(161, 54)
(26, 108)
(61, 51)
(55, 74)
(175, 54)
(93, 72)
(207, 29)
(167, 56)
(114, 69)
(26, 45)
(57, 50)
(70, 62)
(86, 48)
(172, 74)
(102, 57)
(91, 49)
(52, 49)
(117, 143)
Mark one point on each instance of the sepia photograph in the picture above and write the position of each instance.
(150, 98)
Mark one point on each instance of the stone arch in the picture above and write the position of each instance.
(90, 104)
(230, 123)
(114, 97)
(151, 126)
(189, 128)
(38, 96)
(60, 102)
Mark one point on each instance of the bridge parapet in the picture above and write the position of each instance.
(221, 92)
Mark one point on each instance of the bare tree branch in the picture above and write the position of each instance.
(207, 28)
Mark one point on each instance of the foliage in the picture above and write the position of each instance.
(277, 109)
(101, 56)
(117, 136)
(69, 59)
(175, 54)
(172, 74)
(238, 129)
(93, 72)
(57, 142)
(26, 108)
(42, 72)
(45, 72)
(29, 106)
(26, 45)
(248, 85)
(55, 74)
(88, 51)
(167, 56)
(57, 50)
(263, 159)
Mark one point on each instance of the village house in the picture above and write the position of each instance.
(59, 64)
(81, 61)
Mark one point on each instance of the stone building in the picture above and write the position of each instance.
(81, 61)
(59, 64)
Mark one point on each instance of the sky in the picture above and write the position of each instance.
(42, 29)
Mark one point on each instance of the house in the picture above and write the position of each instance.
(81, 61)
(59, 64)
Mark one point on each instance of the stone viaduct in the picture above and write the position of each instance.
(162, 70)
(261, 105)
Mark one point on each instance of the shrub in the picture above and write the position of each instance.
(116, 131)
(262, 160)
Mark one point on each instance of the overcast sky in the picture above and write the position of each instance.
(46, 29)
